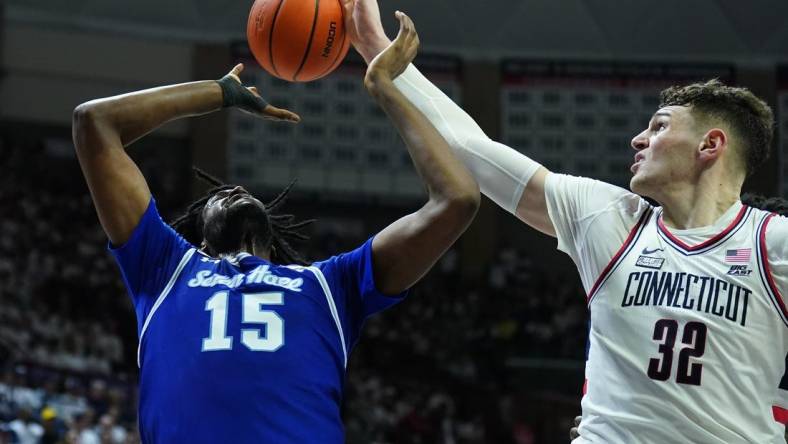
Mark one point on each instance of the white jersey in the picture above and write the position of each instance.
(688, 337)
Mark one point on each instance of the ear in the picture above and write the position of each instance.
(713, 145)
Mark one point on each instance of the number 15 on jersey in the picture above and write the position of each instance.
(270, 340)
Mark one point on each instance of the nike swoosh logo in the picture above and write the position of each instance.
(647, 251)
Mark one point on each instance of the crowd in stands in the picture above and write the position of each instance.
(52, 405)
(434, 369)
(431, 370)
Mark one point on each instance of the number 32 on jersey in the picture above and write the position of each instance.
(694, 339)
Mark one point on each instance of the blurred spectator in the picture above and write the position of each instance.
(26, 429)
(53, 428)
(83, 431)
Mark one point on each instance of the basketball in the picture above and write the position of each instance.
(297, 40)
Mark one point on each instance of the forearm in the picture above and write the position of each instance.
(405, 250)
(449, 119)
(454, 124)
(502, 172)
(443, 174)
(103, 127)
(135, 114)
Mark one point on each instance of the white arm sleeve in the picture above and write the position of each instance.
(592, 219)
(777, 248)
(502, 173)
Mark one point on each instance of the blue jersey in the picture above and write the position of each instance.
(240, 350)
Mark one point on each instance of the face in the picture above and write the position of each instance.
(666, 154)
(232, 220)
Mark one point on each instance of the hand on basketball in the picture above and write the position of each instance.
(573, 432)
(395, 58)
(364, 28)
(248, 99)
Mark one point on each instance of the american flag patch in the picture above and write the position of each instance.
(740, 255)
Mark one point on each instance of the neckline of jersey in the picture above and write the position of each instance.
(731, 218)
(238, 260)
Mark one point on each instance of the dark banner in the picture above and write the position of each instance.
(618, 73)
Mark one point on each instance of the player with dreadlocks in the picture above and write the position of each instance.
(240, 341)
(276, 231)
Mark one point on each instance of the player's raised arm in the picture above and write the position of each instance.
(512, 180)
(405, 250)
(103, 128)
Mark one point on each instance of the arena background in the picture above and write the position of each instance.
(490, 346)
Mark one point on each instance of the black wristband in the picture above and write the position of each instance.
(236, 95)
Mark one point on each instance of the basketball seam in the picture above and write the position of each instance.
(339, 50)
(271, 38)
(309, 44)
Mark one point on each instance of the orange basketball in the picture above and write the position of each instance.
(297, 40)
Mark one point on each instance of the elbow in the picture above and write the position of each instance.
(463, 204)
(84, 115)
(84, 120)
(470, 203)
(468, 197)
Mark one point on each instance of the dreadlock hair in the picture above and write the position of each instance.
(772, 204)
(283, 228)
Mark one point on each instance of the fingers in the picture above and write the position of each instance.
(408, 37)
(348, 5)
(407, 23)
(236, 72)
(407, 40)
(574, 431)
(274, 113)
(393, 60)
(347, 10)
(406, 27)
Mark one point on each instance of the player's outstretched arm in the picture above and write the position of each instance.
(405, 250)
(103, 128)
(509, 178)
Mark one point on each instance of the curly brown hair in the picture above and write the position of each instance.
(748, 117)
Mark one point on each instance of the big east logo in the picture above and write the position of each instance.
(739, 270)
